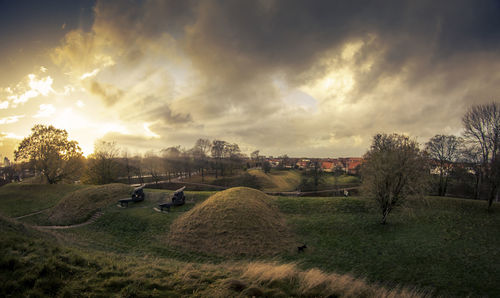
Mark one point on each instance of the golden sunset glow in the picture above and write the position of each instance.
(321, 91)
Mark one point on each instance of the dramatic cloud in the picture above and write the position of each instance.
(306, 78)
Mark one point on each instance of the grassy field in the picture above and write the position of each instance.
(442, 245)
(446, 244)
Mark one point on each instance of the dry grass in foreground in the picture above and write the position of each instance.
(240, 221)
(316, 283)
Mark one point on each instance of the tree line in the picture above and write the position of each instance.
(48, 153)
(395, 167)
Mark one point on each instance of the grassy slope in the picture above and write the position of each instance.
(20, 199)
(34, 264)
(277, 180)
(447, 244)
(78, 206)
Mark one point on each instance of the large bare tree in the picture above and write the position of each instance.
(482, 127)
(393, 168)
(445, 151)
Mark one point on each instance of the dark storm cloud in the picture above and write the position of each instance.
(108, 93)
(153, 108)
(238, 41)
(418, 66)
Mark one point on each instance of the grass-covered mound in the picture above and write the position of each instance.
(236, 222)
(18, 199)
(80, 205)
(287, 180)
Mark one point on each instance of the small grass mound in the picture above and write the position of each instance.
(239, 221)
(80, 205)
(286, 180)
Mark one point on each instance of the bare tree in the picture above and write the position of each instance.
(232, 153)
(126, 165)
(394, 168)
(153, 165)
(171, 160)
(482, 127)
(255, 157)
(102, 165)
(187, 160)
(445, 150)
(200, 152)
(217, 152)
(471, 157)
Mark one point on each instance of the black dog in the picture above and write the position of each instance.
(301, 248)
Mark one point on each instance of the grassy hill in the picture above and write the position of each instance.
(443, 245)
(78, 206)
(239, 221)
(277, 180)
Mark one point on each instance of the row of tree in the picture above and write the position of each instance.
(49, 153)
(395, 167)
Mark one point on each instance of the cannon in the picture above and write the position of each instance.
(137, 196)
(178, 199)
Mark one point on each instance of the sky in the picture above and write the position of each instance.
(302, 78)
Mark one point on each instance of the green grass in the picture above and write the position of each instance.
(331, 180)
(450, 245)
(138, 229)
(20, 199)
(34, 264)
(446, 245)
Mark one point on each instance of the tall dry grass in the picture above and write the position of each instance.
(314, 282)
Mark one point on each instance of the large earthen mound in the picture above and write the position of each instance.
(80, 205)
(239, 221)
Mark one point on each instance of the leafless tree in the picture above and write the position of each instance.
(482, 127)
(127, 165)
(217, 152)
(394, 168)
(255, 157)
(232, 154)
(102, 165)
(153, 165)
(444, 150)
(171, 160)
(200, 151)
(471, 157)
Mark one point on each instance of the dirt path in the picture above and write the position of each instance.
(89, 221)
(30, 214)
